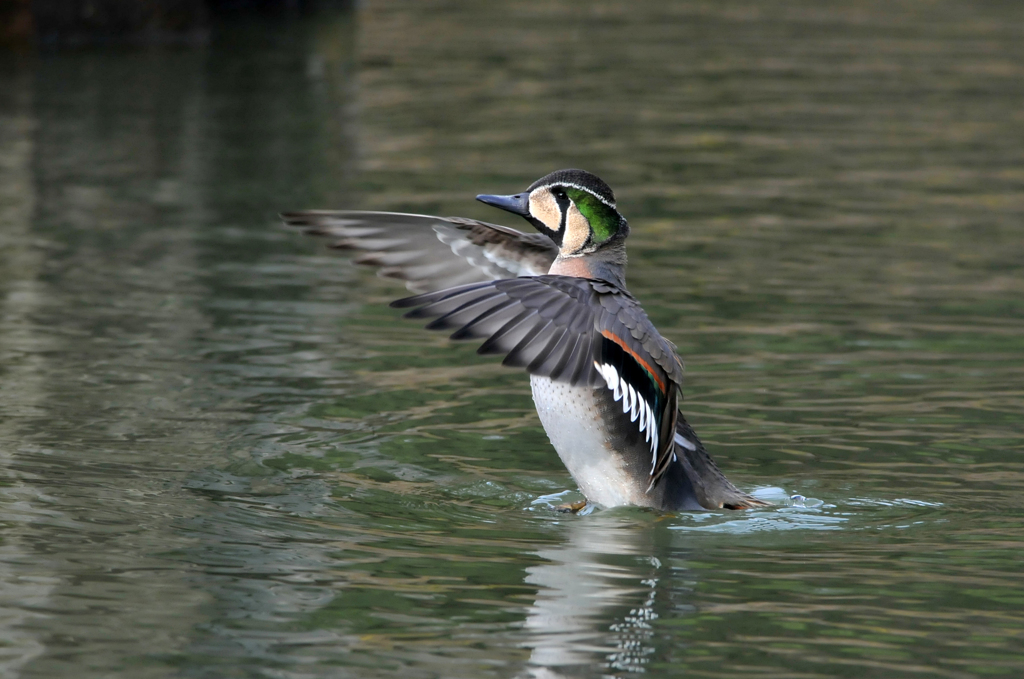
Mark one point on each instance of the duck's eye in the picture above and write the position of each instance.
(558, 193)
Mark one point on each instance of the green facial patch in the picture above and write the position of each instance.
(603, 220)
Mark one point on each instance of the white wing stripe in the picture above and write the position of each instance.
(634, 404)
(611, 378)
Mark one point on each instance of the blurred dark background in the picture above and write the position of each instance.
(25, 24)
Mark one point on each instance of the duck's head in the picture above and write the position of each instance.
(572, 207)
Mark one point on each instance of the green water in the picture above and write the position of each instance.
(222, 455)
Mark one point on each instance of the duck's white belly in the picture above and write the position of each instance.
(570, 417)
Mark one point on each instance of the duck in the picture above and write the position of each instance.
(606, 384)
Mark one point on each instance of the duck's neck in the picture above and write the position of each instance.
(607, 264)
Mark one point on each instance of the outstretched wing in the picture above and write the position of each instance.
(575, 330)
(430, 253)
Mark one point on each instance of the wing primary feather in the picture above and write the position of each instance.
(550, 365)
(580, 359)
(443, 307)
(515, 325)
(530, 347)
(439, 295)
(466, 313)
(473, 328)
(387, 258)
(558, 336)
(562, 360)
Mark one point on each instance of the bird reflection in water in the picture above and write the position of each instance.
(595, 604)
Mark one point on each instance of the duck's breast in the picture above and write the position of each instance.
(572, 418)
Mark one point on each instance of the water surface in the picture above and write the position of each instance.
(221, 455)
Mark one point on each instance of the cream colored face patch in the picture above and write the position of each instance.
(544, 207)
(577, 231)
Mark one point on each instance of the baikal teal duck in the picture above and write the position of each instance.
(605, 382)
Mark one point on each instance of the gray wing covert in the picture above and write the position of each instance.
(430, 253)
(624, 318)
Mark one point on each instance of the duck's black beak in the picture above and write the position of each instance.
(518, 204)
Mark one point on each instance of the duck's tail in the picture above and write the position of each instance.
(712, 489)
